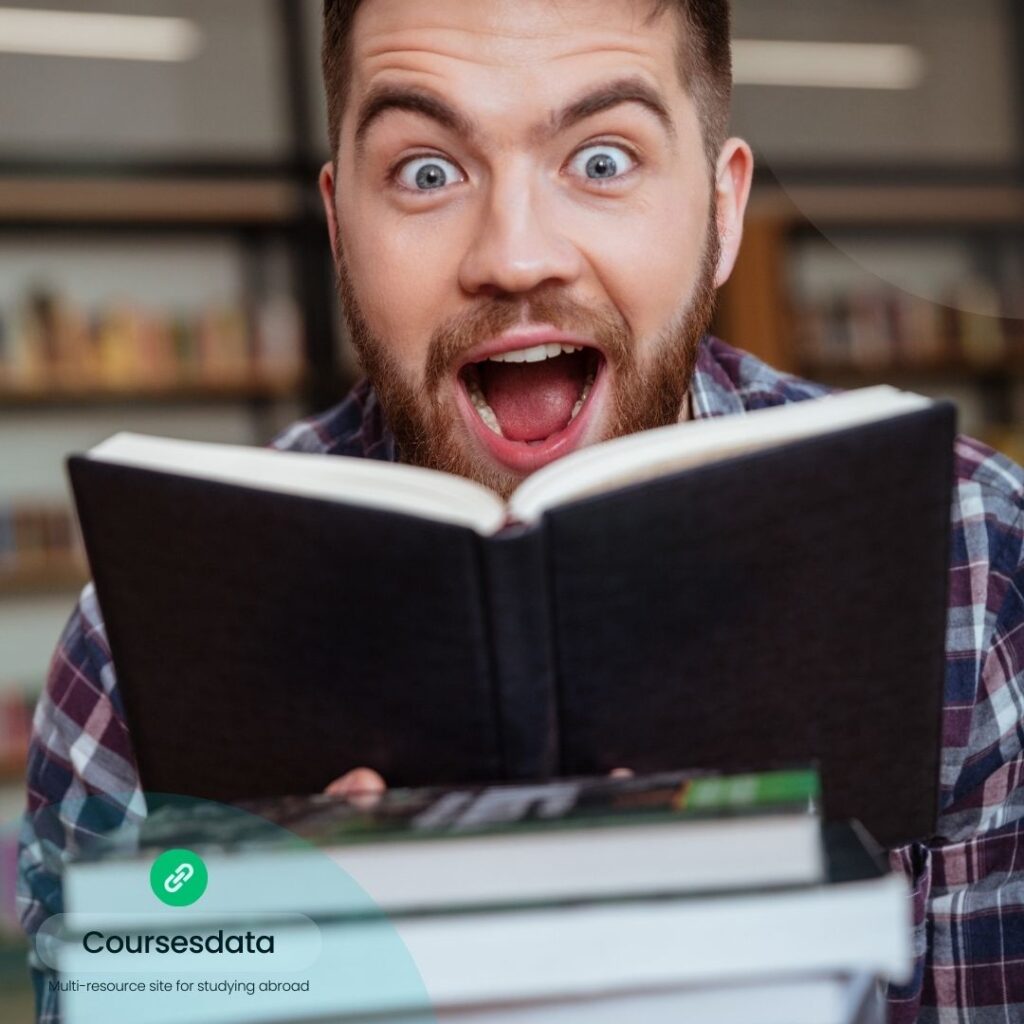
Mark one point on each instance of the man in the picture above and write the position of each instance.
(531, 204)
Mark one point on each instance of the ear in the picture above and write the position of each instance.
(327, 193)
(733, 175)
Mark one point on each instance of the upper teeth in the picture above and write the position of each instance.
(535, 354)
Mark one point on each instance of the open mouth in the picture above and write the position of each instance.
(527, 399)
(534, 397)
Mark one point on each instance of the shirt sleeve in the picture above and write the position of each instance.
(81, 776)
(968, 885)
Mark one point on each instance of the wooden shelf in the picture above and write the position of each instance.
(901, 373)
(51, 577)
(893, 205)
(265, 390)
(126, 200)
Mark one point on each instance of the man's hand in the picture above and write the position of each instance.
(362, 787)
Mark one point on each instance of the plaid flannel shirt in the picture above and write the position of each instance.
(968, 883)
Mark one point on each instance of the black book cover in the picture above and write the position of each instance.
(786, 606)
(781, 606)
(266, 643)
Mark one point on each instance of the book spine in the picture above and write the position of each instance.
(522, 655)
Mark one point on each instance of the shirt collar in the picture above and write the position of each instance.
(712, 391)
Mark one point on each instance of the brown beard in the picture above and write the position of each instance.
(426, 426)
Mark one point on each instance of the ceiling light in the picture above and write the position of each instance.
(827, 65)
(110, 36)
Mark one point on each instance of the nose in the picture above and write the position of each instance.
(517, 246)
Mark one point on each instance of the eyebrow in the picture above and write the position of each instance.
(384, 98)
(605, 97)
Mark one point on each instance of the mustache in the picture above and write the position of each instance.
(606, 327)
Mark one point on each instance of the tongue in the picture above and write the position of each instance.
(531, 401)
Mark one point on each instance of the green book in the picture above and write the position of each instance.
(421, 850)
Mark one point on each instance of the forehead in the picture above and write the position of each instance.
(503, 56)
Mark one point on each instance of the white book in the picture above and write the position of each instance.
(824, 999)
(568, 952)
(537, 964)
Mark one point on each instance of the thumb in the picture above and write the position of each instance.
(362, 787)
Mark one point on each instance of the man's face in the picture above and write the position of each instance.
(524, 226)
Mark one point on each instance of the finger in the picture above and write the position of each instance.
(360, 786)
(621, 773)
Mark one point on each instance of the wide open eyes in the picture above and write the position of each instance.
(595, 164)
(602, 162)
(428, 174)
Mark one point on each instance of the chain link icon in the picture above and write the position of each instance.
(174, 881)
(178, 878)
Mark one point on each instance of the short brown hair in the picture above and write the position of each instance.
(705, 62)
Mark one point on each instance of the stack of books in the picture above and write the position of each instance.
(667, 897)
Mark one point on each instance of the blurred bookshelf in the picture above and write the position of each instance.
(55, 350)
(165, 268)
(40, 550)
(912, 283)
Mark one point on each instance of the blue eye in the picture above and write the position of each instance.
(602, 162)
(428, 173)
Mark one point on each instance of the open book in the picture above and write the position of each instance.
(451, 499)
(760, 589)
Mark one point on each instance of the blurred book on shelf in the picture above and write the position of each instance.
(40, 548)
(15, 730)
(51, 345)
(968, 348)
(867, 331)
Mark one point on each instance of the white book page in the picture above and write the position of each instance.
(451, 499)
(368, 482)
(653, 453)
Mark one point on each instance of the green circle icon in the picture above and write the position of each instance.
(178, 878)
